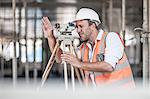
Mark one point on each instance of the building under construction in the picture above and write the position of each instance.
(24, 51)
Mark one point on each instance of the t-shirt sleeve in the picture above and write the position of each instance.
(114, 49)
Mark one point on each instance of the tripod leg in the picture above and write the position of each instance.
(78, 75)
(72, 77)
(51, 59)
(50, 63)
(65, 75)
(46, 74)
(76, 69)
(72, 70)
(82, 74)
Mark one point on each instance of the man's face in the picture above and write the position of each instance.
(83, 29)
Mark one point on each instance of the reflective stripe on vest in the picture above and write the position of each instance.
(122, 74)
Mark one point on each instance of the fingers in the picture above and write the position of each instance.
(67, 57)
(46, 21)
(46, 27)
(71, 59)
(64, 56)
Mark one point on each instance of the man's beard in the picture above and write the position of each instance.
(83, 41)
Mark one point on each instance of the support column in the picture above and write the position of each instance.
(19, 36)
(26, 64)
(149, 36)
(104, 14)
(35, 67)
(14, 65)
(123, 18)
(110, 14)
(145, 44)
(2, 60)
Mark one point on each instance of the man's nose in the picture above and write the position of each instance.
(78, 30)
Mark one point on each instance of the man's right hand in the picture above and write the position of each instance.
(48, 32)
(47, 28)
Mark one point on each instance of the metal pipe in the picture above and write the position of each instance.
(123, 18)
(35, 67)
(138, 48)
(145, 59)
(110, 14)
(2, 61)
(145, 44)
(149, 36)
(103, 14)
(14, 65)
(19, 34)
(27, 64)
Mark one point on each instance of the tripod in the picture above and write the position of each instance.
(67, 43)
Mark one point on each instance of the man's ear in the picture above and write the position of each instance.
(93, 26)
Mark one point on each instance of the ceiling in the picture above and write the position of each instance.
(133, 7)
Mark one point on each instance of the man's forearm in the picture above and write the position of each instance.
(51, 43)
(97, 66)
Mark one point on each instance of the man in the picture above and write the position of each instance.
(102, 54)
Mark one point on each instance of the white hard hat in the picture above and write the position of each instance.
(87, 13)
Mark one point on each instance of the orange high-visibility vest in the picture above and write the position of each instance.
(85, 48)
(122, 74)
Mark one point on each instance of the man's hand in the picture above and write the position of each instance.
(71, 59)
(47, 27)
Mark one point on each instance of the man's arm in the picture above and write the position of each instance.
(113, 52)
(90, 66)
(48, 32)
(97, 66)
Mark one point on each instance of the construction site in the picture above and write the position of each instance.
(24, 50)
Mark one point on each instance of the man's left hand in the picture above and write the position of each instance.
(71, 59)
